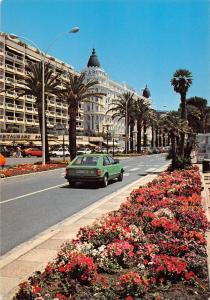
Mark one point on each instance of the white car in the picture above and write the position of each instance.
(59, 152)
(84, 151)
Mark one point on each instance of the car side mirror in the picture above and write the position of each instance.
(116, 161)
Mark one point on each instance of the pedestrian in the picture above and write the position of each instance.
(18, 152)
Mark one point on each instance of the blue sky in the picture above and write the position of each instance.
(137, 41)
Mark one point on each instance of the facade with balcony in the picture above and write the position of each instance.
(97, 119)
(19, 114)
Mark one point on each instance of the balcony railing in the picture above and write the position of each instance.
(19, 107)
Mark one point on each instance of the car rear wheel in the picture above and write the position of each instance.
(120, 177)
(71, 184)
(29, 155)
(105, 181)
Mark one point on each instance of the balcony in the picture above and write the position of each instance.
(19, 120)
(20, 70)
(30, 121)
(29, 109)
(65, 106)
(10, 119)
(9, 80)
(11, 94)
(51, 103)
(10, 106)
(19, 82)
(10, 55)
(10, 68)
(19, 107)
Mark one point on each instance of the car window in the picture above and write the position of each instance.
(106, 161)
(85, 161)
(111, 160)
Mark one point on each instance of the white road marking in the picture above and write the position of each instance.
(33, 193)
(150, 169)
(134, 169)
(126, 174)
(125, 167)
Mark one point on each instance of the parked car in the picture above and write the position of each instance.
(5, 151)
(83, 151)
(59, 152)
(98, 168)
(32, 152)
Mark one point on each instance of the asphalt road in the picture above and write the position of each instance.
(31, 204)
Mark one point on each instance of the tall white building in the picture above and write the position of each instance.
(96, 117)
(20, 114)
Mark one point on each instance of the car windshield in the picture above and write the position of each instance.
(85, 161)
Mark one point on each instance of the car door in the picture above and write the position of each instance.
(114, 167)
(107, 166)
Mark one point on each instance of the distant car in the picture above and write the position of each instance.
(5, 152)
(32, 152)
(84, 151)
(98, 168)
(59, 152)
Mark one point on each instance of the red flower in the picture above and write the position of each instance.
(36, 289)
(188, 275)
(60, 296)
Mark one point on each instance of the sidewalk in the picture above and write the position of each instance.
(18, 264)
(206, 203)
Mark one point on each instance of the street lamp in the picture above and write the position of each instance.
(107, 136)
(126, 127)
(72, 30)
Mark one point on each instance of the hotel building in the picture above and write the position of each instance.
(20, 114)
(96, 118)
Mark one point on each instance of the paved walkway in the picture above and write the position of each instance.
(18, 264)
(206, 203)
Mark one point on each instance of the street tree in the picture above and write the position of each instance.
(76, 92)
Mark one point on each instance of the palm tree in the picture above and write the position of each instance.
(174, 125)
(122, 107)
(32, 85)
(141, 111)
(181, 81)
(199, 104)
(76, 92)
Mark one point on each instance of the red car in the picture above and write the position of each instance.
(32, 152)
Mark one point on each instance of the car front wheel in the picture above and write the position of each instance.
(105, 181)
(120, 177)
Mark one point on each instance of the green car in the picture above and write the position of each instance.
(94, 168)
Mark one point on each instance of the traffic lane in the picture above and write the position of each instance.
(23, 185)
(29, 183)
(28, 216)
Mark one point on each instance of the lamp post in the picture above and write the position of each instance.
(107, 136)
(72, 30)
(126, 127)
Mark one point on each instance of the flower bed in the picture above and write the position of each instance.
(153, 247)
(29, 168)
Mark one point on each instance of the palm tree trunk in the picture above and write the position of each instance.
(173, 148)
(153, 136)
(145, 135)
(47, 156)
(156, 137)
(184, 117)
(132, 124)
(139, 128)
(72, 132)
